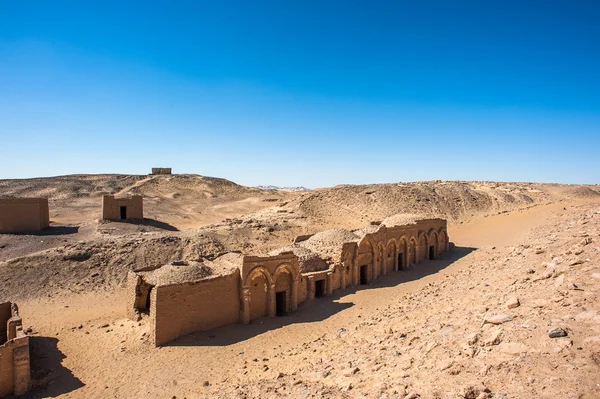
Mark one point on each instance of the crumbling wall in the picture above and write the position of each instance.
(185, 308)
(111, 207)
(5, 315)
(23, 215)
(138, 292)
(15, 372)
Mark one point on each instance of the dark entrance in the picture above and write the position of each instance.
(363, 275)
(400, 260)
(149, 295)
(281, 303)
(432, 252)
(123, 212)
(320, 288)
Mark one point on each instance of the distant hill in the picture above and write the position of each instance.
(290, 189)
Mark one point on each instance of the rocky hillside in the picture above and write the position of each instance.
(353, 206)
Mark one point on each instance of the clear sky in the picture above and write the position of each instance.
(312, 93)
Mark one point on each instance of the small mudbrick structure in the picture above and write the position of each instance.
(15, 373)
(185, 297)
(23, 215)
(129, 208)
(161, 171)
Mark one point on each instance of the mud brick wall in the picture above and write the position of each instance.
(22, 215)
(181, 309)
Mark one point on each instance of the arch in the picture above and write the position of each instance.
(259, 283)
(284, 289)
(365, 246)
(442, 240)
(422, 243)
(433, 241)
(390, 258)
(402, 253)
(285, 268)
(412, 251)
(258, 269)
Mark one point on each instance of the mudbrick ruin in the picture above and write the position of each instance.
(161, 171)
(184, 297)
(14, 352)
(127, 208)
(23, 215)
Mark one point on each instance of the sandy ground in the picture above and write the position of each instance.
(409, 333)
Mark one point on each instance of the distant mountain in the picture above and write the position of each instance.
(277, 188)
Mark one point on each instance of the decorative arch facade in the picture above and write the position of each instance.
(266, 281)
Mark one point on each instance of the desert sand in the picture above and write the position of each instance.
(472, 324)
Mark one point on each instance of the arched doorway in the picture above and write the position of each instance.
(367, 260)
(442, 241)
(283, 292)
(412, 251)
(433, 245)
(259, 295)
(423, 249)
(390, 260)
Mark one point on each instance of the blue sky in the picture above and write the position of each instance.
(312, 93)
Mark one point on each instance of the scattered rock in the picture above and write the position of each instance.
(498, 319)
(492, 337)
(473, 391)
(557, 332)
(513, 302)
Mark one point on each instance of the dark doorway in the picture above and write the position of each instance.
(400, 260)
(320, 288)
(147, 310)
(123, 212)
(364, 274)
(432, 252)
(281, 303)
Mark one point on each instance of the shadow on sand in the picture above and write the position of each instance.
(143, 222)
(48, 376)
(320, 308)
(55, 230)
(158, 224)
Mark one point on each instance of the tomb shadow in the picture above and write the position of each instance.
(148, 222)
(417, 272)
(59, 230)
(158, 224)
(320, 308)
(55, 230)
(49, 378)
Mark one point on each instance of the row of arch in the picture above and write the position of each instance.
(266, 293)
(403, 251)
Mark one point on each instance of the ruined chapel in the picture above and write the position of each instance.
(185, 297)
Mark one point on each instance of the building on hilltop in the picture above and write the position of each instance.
(23, 215)
(161, 171)
(129, 208)
(15, 370)
(186, 297)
